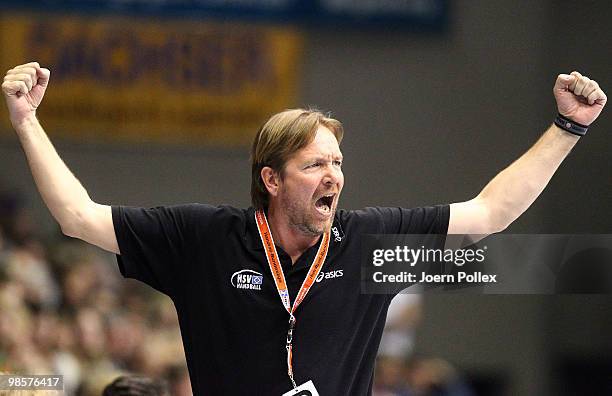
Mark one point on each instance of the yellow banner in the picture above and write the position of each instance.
(127, 79)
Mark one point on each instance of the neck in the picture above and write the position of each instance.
(293, 241)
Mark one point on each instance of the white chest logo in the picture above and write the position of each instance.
(329, 275)
(247, 279)
(336, 233)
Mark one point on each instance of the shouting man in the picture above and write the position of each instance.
(268, 298)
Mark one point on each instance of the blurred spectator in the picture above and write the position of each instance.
(15, 219)
(403, 317)
(178, 376)
(390, 377)
(134, 385)
(419, 376)
(26, 265)
(435, 377)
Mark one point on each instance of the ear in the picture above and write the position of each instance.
(271, 180)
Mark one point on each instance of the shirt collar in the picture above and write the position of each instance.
(253, 239)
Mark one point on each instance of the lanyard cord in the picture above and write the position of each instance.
(289, 347)
(281, 284)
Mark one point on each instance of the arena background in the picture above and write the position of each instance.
(430, 117)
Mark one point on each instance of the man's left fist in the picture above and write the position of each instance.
(579, 98)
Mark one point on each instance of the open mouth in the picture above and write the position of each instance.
(324, 204)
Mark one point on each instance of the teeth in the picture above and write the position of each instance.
(325, 203)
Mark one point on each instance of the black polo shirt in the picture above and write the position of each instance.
(211, 263)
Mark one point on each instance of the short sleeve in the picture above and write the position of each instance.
(423, 220)
(393, 220)
(152, 243)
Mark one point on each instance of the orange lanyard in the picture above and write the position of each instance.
(279, 278)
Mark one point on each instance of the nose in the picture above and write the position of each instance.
(333, 176)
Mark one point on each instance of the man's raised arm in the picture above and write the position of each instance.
(78, 216)
(580, 100)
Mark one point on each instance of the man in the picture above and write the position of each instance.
(253, 317)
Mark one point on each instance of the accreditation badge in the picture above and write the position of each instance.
(306, 389)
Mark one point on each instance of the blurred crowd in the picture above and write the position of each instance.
(400, 370)
(64, 309)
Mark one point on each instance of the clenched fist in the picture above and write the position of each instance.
(579, 98)
(24, 87)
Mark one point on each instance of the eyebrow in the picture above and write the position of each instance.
(324, 159)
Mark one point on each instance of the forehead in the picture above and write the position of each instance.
(324, 144)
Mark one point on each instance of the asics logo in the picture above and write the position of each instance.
(330, 275)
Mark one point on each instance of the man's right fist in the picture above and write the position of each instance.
(24, 87)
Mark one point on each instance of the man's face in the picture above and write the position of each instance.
(310, 188)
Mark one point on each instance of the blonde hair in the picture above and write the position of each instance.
(279, 138)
